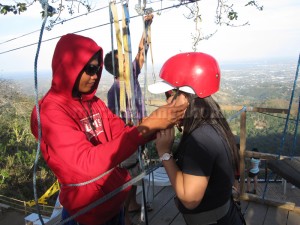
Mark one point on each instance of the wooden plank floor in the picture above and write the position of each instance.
(165, 212)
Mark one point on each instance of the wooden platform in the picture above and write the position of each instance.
(165, 212)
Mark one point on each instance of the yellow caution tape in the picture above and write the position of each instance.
(43, 199)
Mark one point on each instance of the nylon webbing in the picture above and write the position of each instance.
(130, 87)
(151, 52)
(120, 57)
(117, 111)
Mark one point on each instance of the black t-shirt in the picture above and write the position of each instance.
(205, 153)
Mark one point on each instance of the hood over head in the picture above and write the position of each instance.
(71, 54)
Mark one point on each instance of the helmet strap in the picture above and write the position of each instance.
(176, 94)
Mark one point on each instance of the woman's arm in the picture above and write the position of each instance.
(189, 189)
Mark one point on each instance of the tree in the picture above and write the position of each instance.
(225, 12)
(18, 145)
(225, 15)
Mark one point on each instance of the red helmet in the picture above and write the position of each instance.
(192, 72)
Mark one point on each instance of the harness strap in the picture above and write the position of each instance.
(128, 76)
(117, 111)
(120, 56)
(207, 217)
(150, 46)
(147, 42)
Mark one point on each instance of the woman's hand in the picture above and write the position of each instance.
(164, 141)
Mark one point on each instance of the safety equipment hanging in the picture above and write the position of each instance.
(124, 58)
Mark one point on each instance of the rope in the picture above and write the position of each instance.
(110, 194)
(152, 61)
(145, 25)
(117, 111)
(45, 6)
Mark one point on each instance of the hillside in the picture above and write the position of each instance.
(251, 83)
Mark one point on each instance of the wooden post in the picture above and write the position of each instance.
(242, 151)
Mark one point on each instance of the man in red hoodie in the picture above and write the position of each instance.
(82, 139)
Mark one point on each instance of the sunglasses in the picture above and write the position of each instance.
(91, 69)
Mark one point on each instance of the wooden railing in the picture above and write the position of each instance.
(247, 154)
(21, 206)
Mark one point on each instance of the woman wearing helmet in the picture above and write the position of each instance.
(202, 169)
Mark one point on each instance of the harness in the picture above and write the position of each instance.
(207, 217)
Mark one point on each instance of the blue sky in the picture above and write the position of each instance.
(272, 33)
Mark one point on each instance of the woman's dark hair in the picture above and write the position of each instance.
(207, 111)
(108, 63)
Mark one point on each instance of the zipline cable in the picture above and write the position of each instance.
(54, 24)
(90, 28)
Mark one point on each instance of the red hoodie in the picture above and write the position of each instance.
(70, 147)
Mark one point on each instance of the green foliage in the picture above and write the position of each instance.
(15, 9)
(18, 146)
(232, 15)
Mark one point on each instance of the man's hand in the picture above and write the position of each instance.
(168, 115)
(148, 19)
(164, 117)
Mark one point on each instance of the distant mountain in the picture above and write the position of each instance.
(250, 82)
